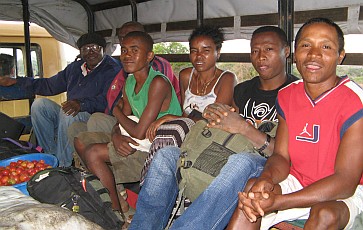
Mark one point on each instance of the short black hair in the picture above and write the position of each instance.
(6, 64)
(146, 38)
(277, 30)
(214, 32)
(328, 22)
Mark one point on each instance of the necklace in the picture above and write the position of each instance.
(206, 84)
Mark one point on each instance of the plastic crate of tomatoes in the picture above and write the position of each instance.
(16, 171)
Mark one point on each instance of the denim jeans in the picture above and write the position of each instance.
(211, 210)
(50, 125)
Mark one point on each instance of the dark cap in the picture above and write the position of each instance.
(91, 38)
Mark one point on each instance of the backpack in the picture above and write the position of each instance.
(204, 152)
(9, 127)
(11, 147)
(77, 191)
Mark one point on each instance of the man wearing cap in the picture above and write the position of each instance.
(85, 81)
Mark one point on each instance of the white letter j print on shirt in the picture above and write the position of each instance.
(305, 135)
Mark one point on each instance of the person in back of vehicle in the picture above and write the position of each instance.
(99, 126)
(85, 81)
(148, 95)
(315, 171)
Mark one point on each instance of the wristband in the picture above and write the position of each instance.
(264, 146)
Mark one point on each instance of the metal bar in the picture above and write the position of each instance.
(200, 12)
(90, 15)
(133, 5)
(286, 15)
(29, 69)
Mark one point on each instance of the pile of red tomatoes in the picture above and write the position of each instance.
(20, 171)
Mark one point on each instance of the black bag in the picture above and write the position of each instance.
(9, 127)
(10, 148)
(77, 191)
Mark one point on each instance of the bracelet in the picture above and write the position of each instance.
(264, 146)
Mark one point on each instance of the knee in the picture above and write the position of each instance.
(91, 154)
(94, 119)
(167, 155)
(39, 104)
(75, 128)
(243, 163)
(78, 145)
(322, 217)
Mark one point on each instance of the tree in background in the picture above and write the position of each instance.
(243, 71)
(173, 48)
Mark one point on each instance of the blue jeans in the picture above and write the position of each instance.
(50, 125)
(211, 210)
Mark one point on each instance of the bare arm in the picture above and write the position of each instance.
(224, 88)
(349, 164)
(224, 117)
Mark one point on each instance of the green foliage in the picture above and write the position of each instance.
(170, 48)
(173, 48)
(245, 71)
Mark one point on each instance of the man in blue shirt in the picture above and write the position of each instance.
(85, 81)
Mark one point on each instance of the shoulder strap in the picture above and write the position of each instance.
(220, 76)
(190, 77)
(28, 147)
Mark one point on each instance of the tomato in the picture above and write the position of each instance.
(17, 179)
(24, 163)
(24, 177)
(12, 169)
(4, 180)
(11, 181)
(30, 165)
(19, 170)
(5, 172)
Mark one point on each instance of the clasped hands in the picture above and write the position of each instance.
(259, 200)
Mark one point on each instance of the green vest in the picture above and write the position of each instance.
(139, 101)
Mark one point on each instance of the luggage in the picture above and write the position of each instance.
(10, 148)
(77, 191)
(204, 152)
(9, 127)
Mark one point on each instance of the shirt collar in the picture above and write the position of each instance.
(85, 70)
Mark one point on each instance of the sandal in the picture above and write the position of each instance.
(128, 218)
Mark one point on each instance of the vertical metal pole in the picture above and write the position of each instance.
(29, 69)
(286, 22)
(133, 10)
(90, 15)
(200, 12)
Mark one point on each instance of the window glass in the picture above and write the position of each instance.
(18, 52)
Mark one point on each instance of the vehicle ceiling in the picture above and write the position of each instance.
(172, 20)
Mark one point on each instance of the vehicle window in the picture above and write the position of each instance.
(18, 52)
